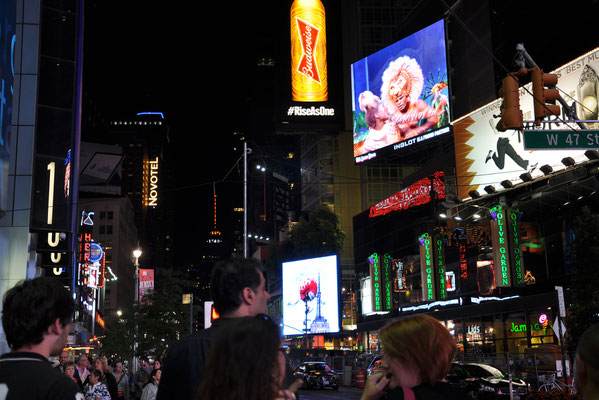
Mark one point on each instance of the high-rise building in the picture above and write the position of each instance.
(41, 86)
(146, 177)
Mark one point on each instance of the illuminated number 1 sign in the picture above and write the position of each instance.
(52, 176)
(53, 237)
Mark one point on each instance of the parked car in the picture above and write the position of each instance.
(316, 375)
(375, 366)
(482, 381)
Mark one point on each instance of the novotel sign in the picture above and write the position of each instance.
(151, 182)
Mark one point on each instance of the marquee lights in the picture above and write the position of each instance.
(417, 194)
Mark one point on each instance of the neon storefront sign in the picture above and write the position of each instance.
(427, 268)
(416, 194)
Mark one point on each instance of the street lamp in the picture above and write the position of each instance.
(136, 254)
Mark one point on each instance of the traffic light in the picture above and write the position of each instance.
(542, 95)
(511, 115)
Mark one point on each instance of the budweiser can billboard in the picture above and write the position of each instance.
(308, 51)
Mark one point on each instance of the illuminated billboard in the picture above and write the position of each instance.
(400, 94)
(308, 51)
(8, 13)
(485, 156)
(310, 296)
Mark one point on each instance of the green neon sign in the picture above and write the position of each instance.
(375, 281)
(515, 247)
(427, 268)
(440, 265)
(501, 252)
(387, 282)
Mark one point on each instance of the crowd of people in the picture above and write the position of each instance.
(239, 357)
(111, 382)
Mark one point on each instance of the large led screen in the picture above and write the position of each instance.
(310, 296)
(400, 94)
(8, 40)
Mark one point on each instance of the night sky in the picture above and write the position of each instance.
(196, 62)
(193, 63)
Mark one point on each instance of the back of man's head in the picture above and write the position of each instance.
(30, 307)
(588, 352)
(229, 278)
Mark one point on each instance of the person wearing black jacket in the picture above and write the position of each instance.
(238, 290)
(36, 316)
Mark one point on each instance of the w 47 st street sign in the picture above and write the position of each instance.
(561, 139)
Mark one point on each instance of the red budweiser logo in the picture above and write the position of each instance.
(309, 38)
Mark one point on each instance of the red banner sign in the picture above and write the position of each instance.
(146, 282)
(417, 194)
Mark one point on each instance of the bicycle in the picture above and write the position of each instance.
(550, 382)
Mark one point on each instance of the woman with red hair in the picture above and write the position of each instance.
(418, 351)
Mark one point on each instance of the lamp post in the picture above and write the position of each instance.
(136, 254)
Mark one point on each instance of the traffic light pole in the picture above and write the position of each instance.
(521, 59)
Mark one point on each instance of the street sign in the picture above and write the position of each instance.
(561, 139)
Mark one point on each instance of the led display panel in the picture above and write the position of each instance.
(8, 40)
(400, 94)
(311, 296)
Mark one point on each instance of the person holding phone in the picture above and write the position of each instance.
(418, 351)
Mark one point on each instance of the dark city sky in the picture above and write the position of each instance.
(195, 63)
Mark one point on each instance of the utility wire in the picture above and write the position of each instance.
(476, 39)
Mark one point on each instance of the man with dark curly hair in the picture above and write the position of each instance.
(238, 290)
(36, 316)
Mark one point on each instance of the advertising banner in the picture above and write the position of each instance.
(400, 93)
(146, 282)
(310, 296)
(485, 156)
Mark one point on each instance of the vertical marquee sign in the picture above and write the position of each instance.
(501, 254)
(427, 267)
(440, 278)
(516, 262)
(387, 282)
(150, 183)
(376, 282)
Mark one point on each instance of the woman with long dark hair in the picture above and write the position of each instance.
(246, 362)
(151, 388)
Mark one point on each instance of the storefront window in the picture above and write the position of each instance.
(456, 330)
(474, 336)
(516, 331)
